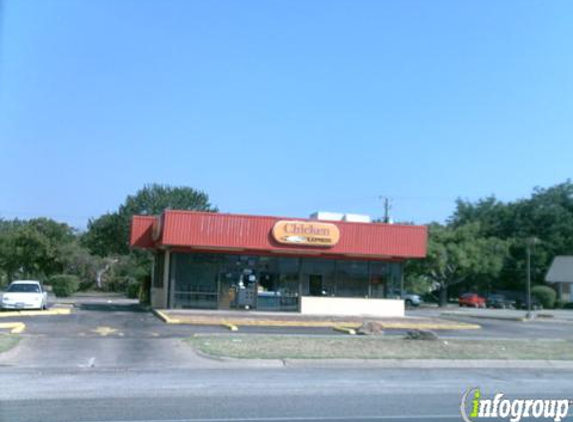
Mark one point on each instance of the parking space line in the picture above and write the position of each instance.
(230, 326)
(23, 313)
(105, 331)
(346, 330)
(14, 327)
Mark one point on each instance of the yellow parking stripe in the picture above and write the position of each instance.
(14, 327)
(105, 331)
(346, 330)
(231, 327)
(49, 312)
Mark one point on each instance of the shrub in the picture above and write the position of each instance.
(544, 294)
(117, 284)
(63, 285)
(86, 285)
(133, 290)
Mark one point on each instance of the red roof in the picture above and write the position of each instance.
(204, 231)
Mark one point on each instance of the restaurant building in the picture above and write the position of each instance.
(313, 266)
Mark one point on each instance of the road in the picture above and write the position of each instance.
(259, 394)
(112, 362)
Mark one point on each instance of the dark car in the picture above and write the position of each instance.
(499, 301)
(521, 303)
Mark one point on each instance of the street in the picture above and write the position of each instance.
(259, 394)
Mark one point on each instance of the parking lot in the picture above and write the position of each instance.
(116, 332)
(505, 323)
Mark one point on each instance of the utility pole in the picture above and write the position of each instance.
(387, 208)
(530, 242)
(528, 298)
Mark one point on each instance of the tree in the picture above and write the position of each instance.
(103, 236)
(547, 215)
(109, 234)
(31, 248)
(458, 254)
(78, 261)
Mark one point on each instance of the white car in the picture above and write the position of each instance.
(24, 294)
(410, 299)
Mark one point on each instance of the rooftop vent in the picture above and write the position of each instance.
(338, 216)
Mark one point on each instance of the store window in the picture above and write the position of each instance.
(318, 277)
(195, 280)
(288, 283)
(395, 279)
(352, 278)
(379, 275)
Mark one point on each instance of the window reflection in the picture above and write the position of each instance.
(225, 281)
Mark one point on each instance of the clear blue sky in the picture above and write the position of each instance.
(283, 107)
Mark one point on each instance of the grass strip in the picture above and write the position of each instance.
(308, 347)
(7, 342)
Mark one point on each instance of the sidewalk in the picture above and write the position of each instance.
(235, 319)
(92, 297)
(550, 315)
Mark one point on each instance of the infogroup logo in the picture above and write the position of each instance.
(474, 407)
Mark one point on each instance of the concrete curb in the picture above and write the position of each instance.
(225, 361)
(428, 364)
(347, 325)
(477, 316)
(164, 317)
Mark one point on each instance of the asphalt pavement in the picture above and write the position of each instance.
(498, 324)
(259, 394)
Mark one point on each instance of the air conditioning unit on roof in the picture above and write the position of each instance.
(338, 216)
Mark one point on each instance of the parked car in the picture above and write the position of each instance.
(521, 303)
(499, 301)
(24, 294)
(471, 299)
(410, 299)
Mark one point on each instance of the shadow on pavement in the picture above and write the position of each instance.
(111, 307)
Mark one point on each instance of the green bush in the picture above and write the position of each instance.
(133, 290)
(544, 294)
(117, 284)
(63, 285)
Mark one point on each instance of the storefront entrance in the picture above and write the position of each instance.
(269, 283)
(315, 285)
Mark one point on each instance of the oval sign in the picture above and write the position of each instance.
(306, 233)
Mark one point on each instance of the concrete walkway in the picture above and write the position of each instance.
(551, 315)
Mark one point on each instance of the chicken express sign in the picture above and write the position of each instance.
(306, 233)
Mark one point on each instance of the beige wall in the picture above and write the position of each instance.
(566, 292)
(351, 306)
(159, 295)
(158, 298)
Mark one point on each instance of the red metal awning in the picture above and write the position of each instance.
(204, 231)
